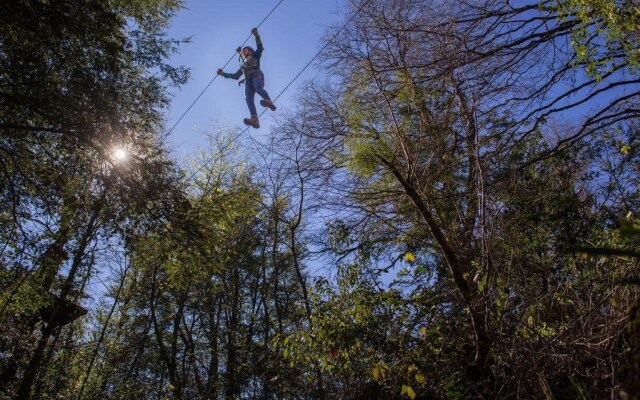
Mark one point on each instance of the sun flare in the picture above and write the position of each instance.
(120, 154)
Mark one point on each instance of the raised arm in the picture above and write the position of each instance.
(259, 47)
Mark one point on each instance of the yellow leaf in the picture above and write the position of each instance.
(423, 331)
(379, 372)
(530, 320)
(412, 368)
(420, 378)
(625, 149)
(408, 391)
(375, 371)
(409, 257)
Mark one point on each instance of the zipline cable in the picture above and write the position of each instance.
(216, 76)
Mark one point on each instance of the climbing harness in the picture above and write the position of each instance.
(240, 61)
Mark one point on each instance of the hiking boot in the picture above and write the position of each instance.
(253, 121)
(269, 104)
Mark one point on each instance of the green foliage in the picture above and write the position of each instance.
(78, 79)
(365, 342)
(615, 25)
(366, 144)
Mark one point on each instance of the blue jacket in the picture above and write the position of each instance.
(251, 64)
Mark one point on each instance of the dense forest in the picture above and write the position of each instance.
(451, 212)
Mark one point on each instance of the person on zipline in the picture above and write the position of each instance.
(254, 79)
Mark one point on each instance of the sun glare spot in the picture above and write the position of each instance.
(121, 154)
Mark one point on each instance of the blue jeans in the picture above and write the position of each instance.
(254, 85)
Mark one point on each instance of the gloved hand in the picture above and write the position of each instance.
(254, 31)
(220, 71)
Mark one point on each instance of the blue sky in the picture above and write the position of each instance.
(291, 37)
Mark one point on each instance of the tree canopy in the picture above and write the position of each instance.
(449, 212)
